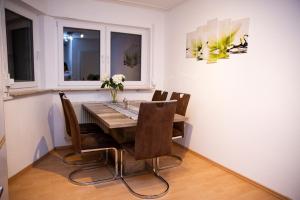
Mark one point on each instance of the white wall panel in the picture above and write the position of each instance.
(244, 112)
(29, 132)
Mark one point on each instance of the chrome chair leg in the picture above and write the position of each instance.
(157, 165)
(155, 173)
(114, 177)
(178, 158)
(121, 163)
(106, 156)
(154, 165)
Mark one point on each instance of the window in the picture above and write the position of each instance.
(81, 54)
(20, 56)
(126, 53)
(88, 51)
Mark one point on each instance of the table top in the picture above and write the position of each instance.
(114, 119)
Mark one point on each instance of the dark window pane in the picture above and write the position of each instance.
(81, 54)
(126, 55)
(19, 47)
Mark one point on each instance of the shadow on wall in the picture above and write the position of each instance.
(56, 123)
(41, 149)
(51, 122)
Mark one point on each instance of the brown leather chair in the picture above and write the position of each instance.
(61, 95)
(178, 127)
(85, 128)
(159, 95)
(182, 104)
(153, 138)
(84, 143)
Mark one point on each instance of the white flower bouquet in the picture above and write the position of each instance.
(114, 83)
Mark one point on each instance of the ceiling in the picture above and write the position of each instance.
(158, 4)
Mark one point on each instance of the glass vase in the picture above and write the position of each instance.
(114, 93)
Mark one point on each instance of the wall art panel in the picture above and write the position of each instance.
(218, 39)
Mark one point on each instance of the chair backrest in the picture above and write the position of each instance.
(61, 95)
(182, 104)
(153, 136)
(74, 125)
(159, 95)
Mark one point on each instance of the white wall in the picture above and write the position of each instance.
(244, 112)
(29, 132)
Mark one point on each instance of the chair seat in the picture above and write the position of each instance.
(123, 135)
(177, 133)
(89, 128)
(97, 140)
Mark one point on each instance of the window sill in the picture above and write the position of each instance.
(32, 92)
(75, 89)
(25, 93)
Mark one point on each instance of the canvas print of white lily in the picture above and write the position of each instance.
(201, 53)
(240, 37)
(225, 38)
(212, 40)
(191, 45)
(218, 39)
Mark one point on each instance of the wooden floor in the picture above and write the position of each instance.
(195, 178)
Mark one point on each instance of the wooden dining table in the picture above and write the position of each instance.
(119, 126)
(113, 119)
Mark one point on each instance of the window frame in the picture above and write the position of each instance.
(81, 25)
(145, 54)
(35, 37)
